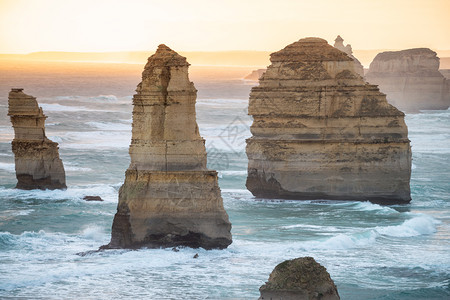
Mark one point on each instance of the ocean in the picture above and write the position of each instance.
(370, 251)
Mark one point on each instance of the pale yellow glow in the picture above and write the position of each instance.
(211, 25)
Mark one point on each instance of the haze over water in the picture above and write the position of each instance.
(371, 251)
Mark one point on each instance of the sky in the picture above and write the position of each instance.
(213, 25)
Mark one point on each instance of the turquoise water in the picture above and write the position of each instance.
(371, 251)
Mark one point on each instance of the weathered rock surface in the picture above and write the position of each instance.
(321, 132)
(339, 44)
(92, 198)
(445, 73)
(299, 279)
(411, 79)
(255, 75)
(37, 161)
(169, 197)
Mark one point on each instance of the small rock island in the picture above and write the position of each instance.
(37, 161)
(320, 132)
(411, 79)
(299, 279)
(169, 197)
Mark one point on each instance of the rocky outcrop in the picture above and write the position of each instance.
(299, 279)
(169, 197)
(320, 132)
(339, 44)
(255, 75)
(38, 165)
(445, 73)
(411, 79)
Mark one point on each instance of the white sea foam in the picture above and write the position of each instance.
(8, 214)
(55, 107)
(231, 173)
(108, 193)
(77, 169)
(10, 167)
(93, 232)
(110, 126)
(312, 227)
(95, 139)
(237, 191)
(344, 241)
(104, 98)
(56, 138)
(419, 225)
(368, 206)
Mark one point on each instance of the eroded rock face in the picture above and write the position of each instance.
(321, 132)
(411, 79)
(169, 197)
(299, 279)
(339, 44)
(37, 161)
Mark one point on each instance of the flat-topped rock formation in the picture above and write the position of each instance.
(321, 132)
(37, 161)
(255, 75)
(339, 44)
(411, 79)
(299, 279)
(169, 197)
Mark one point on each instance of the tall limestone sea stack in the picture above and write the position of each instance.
(37, 161)
(321, 132)
(169, 197)
(411, 79)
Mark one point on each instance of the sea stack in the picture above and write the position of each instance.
(299, 279)
(169, 197)
(411, 79)
(37, 161)
(320, 132)
(347, 49)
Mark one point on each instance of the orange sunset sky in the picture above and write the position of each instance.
(107, 25)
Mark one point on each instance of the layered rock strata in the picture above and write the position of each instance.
(299, 279)
(411, 79)
(169, 197)
(347, 49)
(320, 132)
(37, 161)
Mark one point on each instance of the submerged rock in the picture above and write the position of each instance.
(411, 79)
(299, 279)
(339, 44)
(37, 161)
(321, 132)
(169, 197)
(92, 198)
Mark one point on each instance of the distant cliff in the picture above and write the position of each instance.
(255, 75)
(411, 79)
